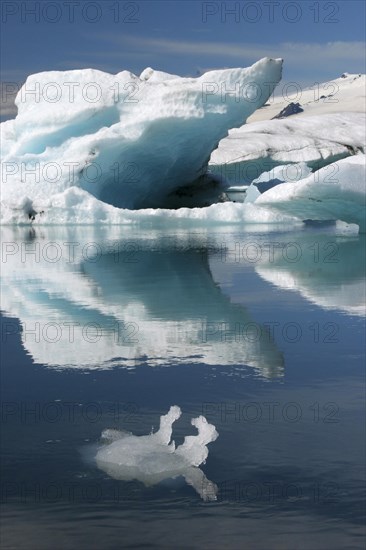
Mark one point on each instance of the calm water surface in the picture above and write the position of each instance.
(262, 332)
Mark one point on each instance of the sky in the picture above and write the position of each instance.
(319, 40)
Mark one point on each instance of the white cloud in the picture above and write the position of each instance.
(294, 53)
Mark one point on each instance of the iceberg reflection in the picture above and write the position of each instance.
(86, 300)
(330, 272)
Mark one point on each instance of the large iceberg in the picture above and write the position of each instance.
(130, 141)
(93, 148)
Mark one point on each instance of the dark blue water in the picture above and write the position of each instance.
(261, 332)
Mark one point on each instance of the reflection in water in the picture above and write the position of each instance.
(328, 272)
(89, 298)
(154, 458)
(87, 301)
(265, 465)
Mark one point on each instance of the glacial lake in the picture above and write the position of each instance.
(261, 330)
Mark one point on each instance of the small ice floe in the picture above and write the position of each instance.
(154, 458)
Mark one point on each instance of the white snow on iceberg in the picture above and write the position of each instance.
(345, 94)
(154, 458)
(129, 141)
(260, 146)
(78, 207)
(335, 192)
(92, 148)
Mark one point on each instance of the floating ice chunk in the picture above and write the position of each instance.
(110, 435)
(335, 192)
(194, 448)
(153, 458)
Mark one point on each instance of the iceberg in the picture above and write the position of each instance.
(261, 146)
(154, 458)
(89, 147)
(335, 192)
(129, 141)
(328, 124)
(345, 94)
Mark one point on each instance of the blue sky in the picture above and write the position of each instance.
(317, 39)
